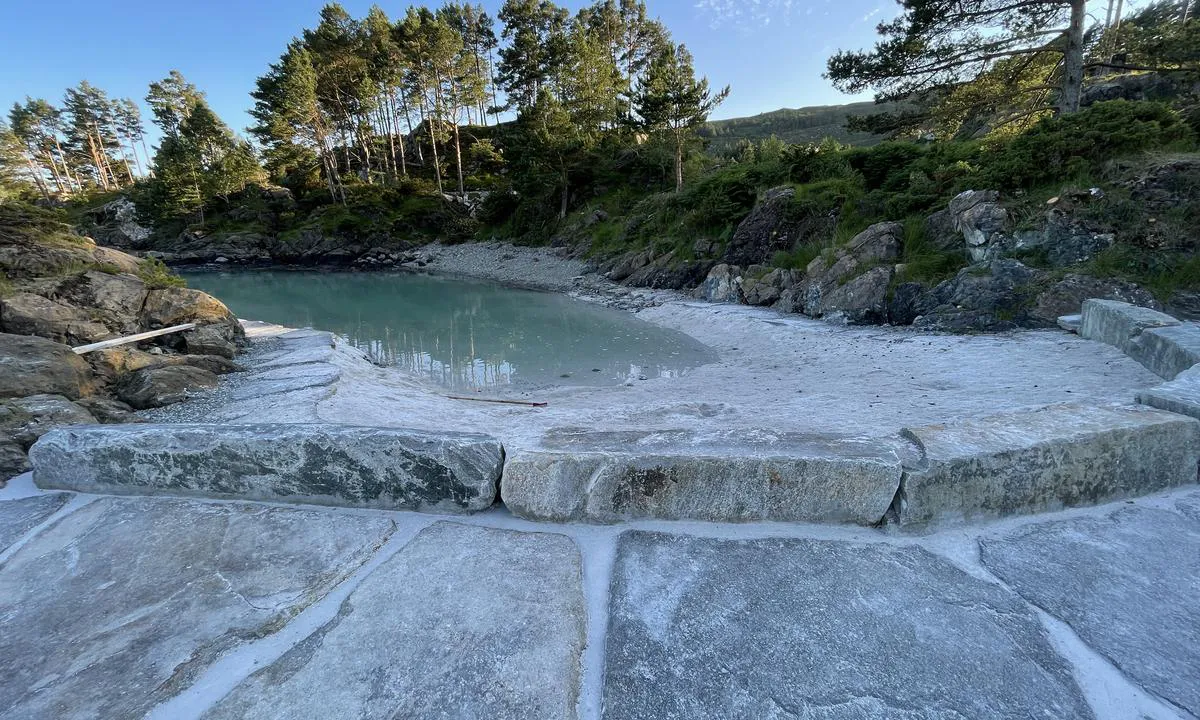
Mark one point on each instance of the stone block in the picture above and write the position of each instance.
(1046, 459)
(1181, 395)
(18, 517)
(1168, 351)
(1125, 582)
(123, 603)
(1122, 325)
(390, 468)
(796, 628)
(800, 478)
(463, 622)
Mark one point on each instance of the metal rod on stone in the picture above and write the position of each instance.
(504, 402)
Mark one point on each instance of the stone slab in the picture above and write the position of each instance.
(1121, 325)
(1181, 395)
(1128, 583)
(389, 468)
(463, 622)
(18, 517)
(808, 478)
(286, 379)
(1070, 323)
(123, 603)
(1047, 459)
(1168, 351)
(782, 628)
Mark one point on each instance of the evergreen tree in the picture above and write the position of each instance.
(90, 131)
(671, 102)
(171, 100)
(535, 56)
(937, 44)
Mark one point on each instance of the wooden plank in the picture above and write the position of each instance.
(104, 344)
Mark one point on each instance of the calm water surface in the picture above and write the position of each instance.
(462, 333)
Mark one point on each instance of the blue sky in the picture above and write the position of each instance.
(772, 52)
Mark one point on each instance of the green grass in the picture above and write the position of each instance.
(156, 274)
(922, 261)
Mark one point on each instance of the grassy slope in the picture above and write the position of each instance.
(799, 125)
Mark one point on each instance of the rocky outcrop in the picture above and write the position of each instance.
(116, 224)
(983, 223)
(772, 226)
(1066, 297)
(28, 314)
(982, 298)
(31, 365)
(390, 468)
(723, 285)
(851, 283)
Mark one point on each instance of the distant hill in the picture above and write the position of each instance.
(808, 124)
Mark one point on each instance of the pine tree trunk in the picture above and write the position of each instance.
(403, 159)
(566, 195)
(437, 168)
(678, 164)
(458, 159)
(149, 160)
(101, 175)
(66, 166)
(1073, 59)
(37, 177)
(58, 181)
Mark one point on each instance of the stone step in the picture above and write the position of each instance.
(1162, 344)
(1046, 459)
(1070, 323)
(608, 478)
(389, 468)
(1181, 395)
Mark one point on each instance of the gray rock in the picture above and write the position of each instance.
(108, 411)
(983, 223)
(902, 307)
(118, 298)
(880, 243)
(861, 301)
(18, 517)
(676, 477)
(32, 365)
(29, 314)
(1070, 323)
(1032, 461)
(390, 468)
(88, 632)
(153, 387)
(27, 419)
(1125, 582)
(982, 298)
(702, 628)
(211, 340)
(767, 289)
(13, 460)
(464, 622)
(1066, 296)
(723, 285)
(772, 226)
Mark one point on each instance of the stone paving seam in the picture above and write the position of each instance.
(221, 677)
(77, 502)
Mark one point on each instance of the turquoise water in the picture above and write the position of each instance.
(462, 333)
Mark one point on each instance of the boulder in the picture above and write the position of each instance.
(767, 289)
(628, 264)
(746, 477)
(23, 260)
(861, 301)
(116, 223)
(902, 307)
(26, 419)
(108, 411)
(13, 460)
(123, 262)
(110, 364)
(1068, 241)
(1047, 459)
(669, 273)
(118, 299)
(880, 243)
(219, 339)
(30, 365)
(390, 468)
(153, 387)
(941, 232)
(169, 306)
(28, 314)
(1066, 296)
(772, 226)
(723, 285)
(993, 296)
(982, 222)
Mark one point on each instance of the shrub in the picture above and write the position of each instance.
(1072, 145)
(156, 274)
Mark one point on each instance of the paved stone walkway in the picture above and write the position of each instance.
(170, 608)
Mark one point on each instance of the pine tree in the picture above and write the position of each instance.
(171, 100)
(535, 56)
(671, 102)
(937, 44)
